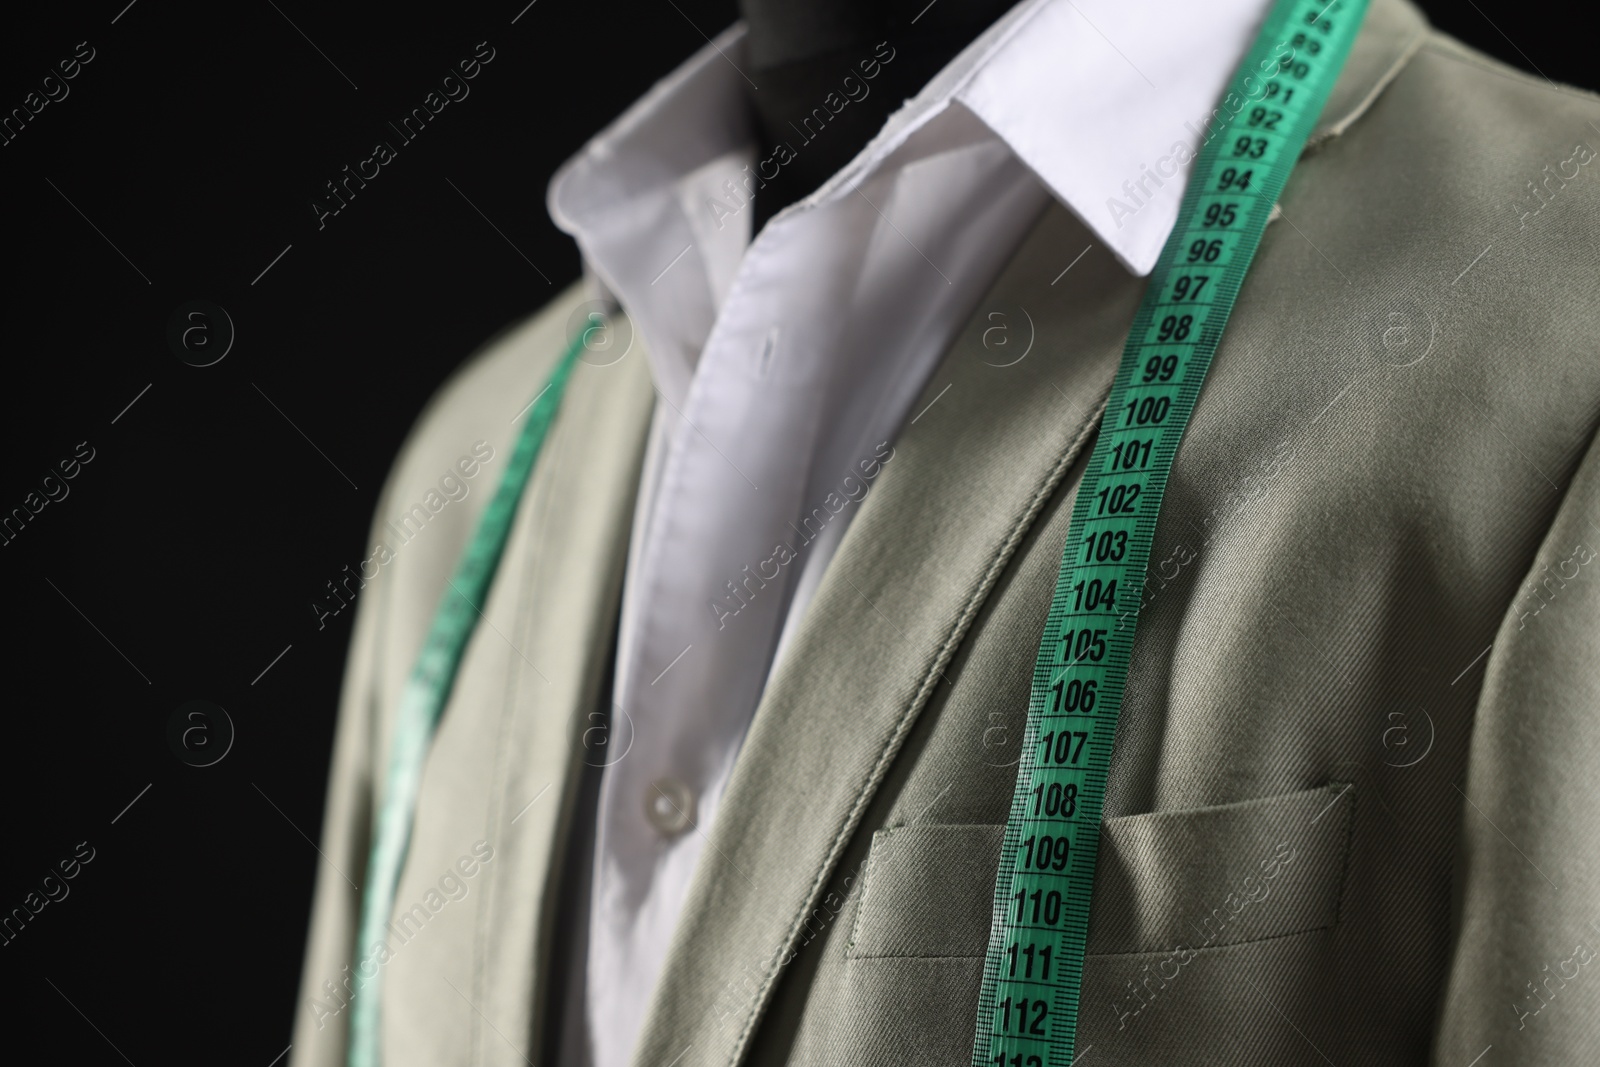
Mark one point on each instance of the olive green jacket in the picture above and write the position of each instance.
(1353, 813)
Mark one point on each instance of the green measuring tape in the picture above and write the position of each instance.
(1032, 973)
(424, 697)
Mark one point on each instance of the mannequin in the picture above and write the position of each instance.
(800, 52)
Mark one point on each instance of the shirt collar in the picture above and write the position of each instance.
(1103, 100)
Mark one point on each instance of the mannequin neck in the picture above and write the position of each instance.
(801, 53)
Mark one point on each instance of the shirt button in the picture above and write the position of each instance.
(669, 805)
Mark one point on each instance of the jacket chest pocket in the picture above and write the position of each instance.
(1187, 906)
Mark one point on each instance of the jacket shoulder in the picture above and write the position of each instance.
(480, 400)
(1504, 129)
(1472, 189)
(1494, 74)
(447, 468)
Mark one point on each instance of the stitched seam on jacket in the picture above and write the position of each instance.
(1108, 955)
(908, 716)
(1213, 948)
(1362, 106)
(866, 894)
(917, 956)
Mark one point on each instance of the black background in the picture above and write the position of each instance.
(187, 554)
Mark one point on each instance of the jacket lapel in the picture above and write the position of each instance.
(990, 441)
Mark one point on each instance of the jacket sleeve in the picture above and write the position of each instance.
(326, 984)
(1525, 973)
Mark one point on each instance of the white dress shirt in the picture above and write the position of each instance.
(785, 366)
